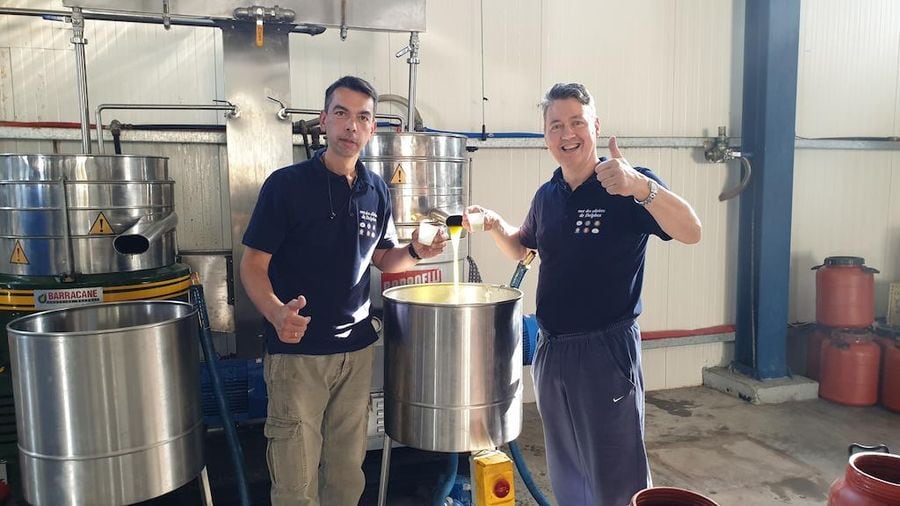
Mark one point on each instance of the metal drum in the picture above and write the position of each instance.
(107, 401)
(116, 212)
(427, 174)
(453, 366)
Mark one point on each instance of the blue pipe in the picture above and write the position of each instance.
(211, 359)
(448, 479)
(519, 459)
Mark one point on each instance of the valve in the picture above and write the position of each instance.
(717, 150)
(260, 14)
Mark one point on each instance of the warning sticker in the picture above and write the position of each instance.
(101, 226)
(18, 255)
(67, 297)
(389, 279)
(399, 176)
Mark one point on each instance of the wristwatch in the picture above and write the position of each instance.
(654, 188)
(412, 252)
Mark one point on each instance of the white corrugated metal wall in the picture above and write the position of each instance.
(657, 68)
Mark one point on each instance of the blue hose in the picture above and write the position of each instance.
(519, 459)
(517, 456)
(211, 359)
(447, 481)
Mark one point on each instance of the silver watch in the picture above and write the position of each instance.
(654, 188)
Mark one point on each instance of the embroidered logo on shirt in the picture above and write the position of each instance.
(368, 223)
(588, 221)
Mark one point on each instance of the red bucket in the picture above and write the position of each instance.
(871, 479)
(670, 496)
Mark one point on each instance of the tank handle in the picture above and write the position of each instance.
(867, 448)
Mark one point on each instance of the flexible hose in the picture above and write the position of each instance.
(447, 481)
(211, 358)
(519, 459)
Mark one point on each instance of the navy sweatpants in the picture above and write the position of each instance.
(590, 394)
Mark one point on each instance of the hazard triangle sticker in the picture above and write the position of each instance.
(399, 176)
(101, 226)
(18, 255)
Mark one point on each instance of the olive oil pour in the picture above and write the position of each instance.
(454, 227)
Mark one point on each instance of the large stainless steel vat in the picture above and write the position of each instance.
(453, 366)
(107, 402)
(50, 201)
(426, 174)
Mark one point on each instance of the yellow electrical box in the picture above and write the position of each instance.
(493, 479)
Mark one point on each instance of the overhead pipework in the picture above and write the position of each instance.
(233, 112)
(413, 49)
(78, 40)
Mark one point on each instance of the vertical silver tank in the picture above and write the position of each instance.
(425, 173)
(87, 214)
(107, 401)
(453, 366)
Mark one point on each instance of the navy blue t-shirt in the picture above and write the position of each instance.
(324, 258)
(592, 246)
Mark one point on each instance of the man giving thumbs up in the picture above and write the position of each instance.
(590, 225)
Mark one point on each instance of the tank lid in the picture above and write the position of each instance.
(845, 261)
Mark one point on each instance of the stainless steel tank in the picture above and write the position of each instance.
(107, 401)
(427, 174)
(88, 214)
(453, 366)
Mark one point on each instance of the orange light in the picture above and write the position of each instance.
(501, 488)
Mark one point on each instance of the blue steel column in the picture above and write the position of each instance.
(771, 40)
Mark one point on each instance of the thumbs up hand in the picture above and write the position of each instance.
(289, 324)
(617, 176)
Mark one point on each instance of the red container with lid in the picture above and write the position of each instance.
(890, 378)
(845, 292)
(849, 369)
(871, 479)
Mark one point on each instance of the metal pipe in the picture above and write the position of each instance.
(137, 239)
(69, 274)
(284, 112)
(413, 60)
(416, 121)
(10, 132)
(163, 19)
(385, 470)
(165, 107)
(79, 42)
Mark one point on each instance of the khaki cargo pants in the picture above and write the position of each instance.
(316, 427)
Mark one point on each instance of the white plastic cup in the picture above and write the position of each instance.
(427, 232)
(476, 221)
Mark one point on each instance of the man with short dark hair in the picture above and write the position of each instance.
(590, 225)
(316, 227)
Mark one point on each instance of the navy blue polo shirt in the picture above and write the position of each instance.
(592, 247)
(324, 258)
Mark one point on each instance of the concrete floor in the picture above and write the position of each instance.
(734, 452)
(738, 453)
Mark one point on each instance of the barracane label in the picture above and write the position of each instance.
(390, 279)
(67, 297)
